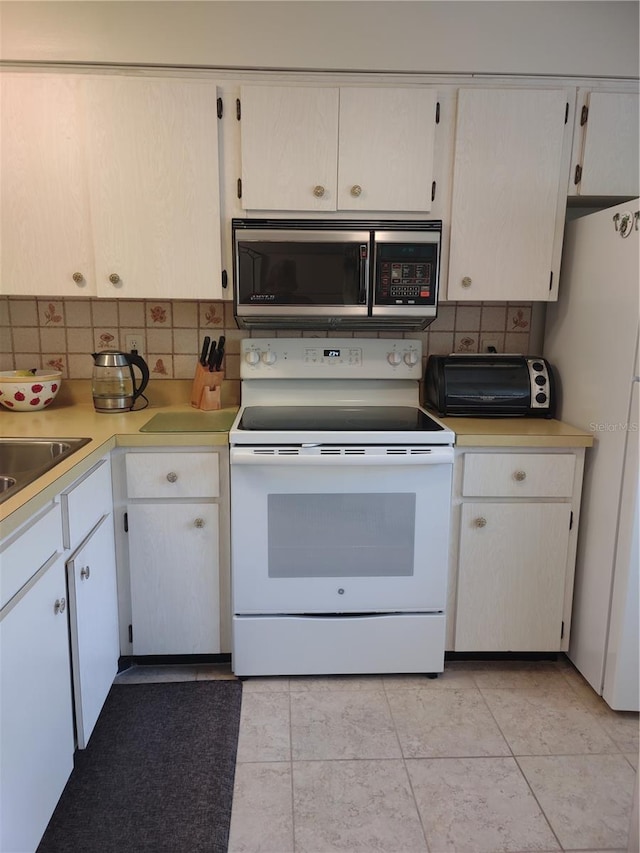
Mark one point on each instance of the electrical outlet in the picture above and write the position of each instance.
(489, 345)
(134, 342)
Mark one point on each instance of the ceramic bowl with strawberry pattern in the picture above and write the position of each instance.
(28, 390)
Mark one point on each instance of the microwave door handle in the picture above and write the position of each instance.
(364, 269)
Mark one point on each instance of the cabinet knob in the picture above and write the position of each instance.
(114, 278)
(78, 278)
(60, 605)
(466, 281)
(318, 191)
(85, 573)
(172, 476)
(480, 522)
(199, 522)
(520, 476)
(356, 190)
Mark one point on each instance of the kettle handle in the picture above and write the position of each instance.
(134, 359)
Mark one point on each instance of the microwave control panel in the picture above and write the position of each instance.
(405, 274)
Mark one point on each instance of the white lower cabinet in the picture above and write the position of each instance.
(177, 551)
(95, 646)
(513, 551)
(36, 717)
(175, 601)
(87, 515)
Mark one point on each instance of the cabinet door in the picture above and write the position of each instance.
(511, 580)
(385, 149)
(36, 717)
(95, 646)
(511, 172)
(289, 141)
(174, 565)
(153, 177)
(45, 221)
(609, 137)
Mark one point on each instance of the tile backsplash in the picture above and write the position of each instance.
(62, 333)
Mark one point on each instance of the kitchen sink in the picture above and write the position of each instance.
(23, 460)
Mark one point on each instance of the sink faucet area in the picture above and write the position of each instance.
(23, 460)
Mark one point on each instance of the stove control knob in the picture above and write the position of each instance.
(252, 356)
(411, 357)
(394, 358)
(269, 357)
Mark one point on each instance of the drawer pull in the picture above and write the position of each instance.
(318, 191)
(172, 476)
(85, 573)
(60, 605)
(480, 522)
(199, 522)
(520, 476)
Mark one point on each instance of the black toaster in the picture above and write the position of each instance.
(492, 385)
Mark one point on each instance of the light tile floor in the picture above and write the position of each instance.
(491, 756)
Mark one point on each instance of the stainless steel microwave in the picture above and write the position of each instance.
(334, 274)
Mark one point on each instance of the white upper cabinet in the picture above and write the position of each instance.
(153, 176)
(605, 158)
(110, 187)
(45, 231)
(327, 149)
(289, 151)
(510, 177)
(385, 148)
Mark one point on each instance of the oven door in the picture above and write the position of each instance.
(328, 529)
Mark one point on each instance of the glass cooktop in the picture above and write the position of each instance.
(338, 418)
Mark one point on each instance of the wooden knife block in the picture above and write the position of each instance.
(207, 388)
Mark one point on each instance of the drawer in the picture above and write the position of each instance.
(85, 502)
(515, 475)
(172, 475)
(22, 554)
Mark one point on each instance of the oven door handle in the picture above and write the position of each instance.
(317, 456)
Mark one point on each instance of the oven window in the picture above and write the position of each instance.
(273, 273)
(341, 535)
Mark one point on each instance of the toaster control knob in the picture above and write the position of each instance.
(537, 365)
(541, 380)
(411, 357)
(252, 356)
(268, 357)
(394, 357)
(541, 398)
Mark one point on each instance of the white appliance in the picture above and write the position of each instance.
(592, 338)
(340, 506)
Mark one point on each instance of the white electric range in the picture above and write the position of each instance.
(340, 506)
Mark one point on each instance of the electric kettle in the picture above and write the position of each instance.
(113, 383)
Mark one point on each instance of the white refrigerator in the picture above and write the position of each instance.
(591, 338)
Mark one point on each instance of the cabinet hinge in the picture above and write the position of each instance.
(238, 109)
(433, 191)
(551, 280)
(225, 282)
(220, 107)
(561, 630)
(571, 521)
(566, 113)
(126, 522)
(239, 187)
(438, 112)
(131, 633)
(584, 115)
(578, 175)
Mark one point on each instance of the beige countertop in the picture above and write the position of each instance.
(516, 432)
(72, 416)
